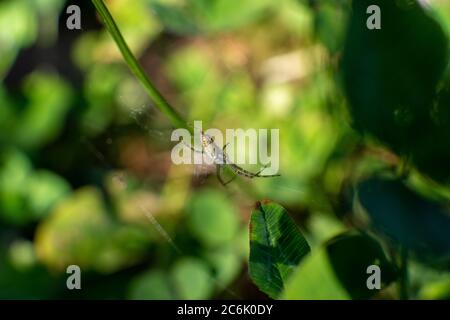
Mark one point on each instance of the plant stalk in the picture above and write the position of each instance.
(157, 98)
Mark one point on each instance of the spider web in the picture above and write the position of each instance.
(200, 170)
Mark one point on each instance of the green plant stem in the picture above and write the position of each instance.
(136, 68)
(403, 285)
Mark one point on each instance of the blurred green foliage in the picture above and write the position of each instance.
(212, 229)
(409, 219)
(85, 170)
(340, 267)
(392, 81)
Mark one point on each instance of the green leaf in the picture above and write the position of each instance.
(15, 170)
(211, 218)
(226, 263)
(44, 190)
(33, 282)
(100, 85)
(152, 285)
(276, 247)
(436, 290)
(18, 28)
(442, 9)
(175, 19)
(391, 75)
(407, 218)
(338, 270)
(49, 100)
(330, 21)
(91, 238)
(221, 15)
(315, 279)
(431, 153)
(208, 16)
(192, 279)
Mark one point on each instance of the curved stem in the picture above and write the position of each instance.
(136, 68)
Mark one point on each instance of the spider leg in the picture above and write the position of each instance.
(261, 170)
(224, 154)
(193, 149)
(219, 176)
(258, 174)
(230, 180)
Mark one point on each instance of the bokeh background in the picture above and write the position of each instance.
(85, 171)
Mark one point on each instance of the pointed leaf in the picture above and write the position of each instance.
(276, 247)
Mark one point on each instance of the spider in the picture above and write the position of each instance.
(220, 158)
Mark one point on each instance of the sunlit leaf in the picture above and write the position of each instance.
(91, 239)
(152, 285)
(18, 28)
(99, 89)
(338, 270)
(192, 279)
(330, 21)
(276, 247)
(442, 8)
(49, 100)
(45, 189)
(208, 15)
(212, 218)
(175, 18)
(437, 290)
(226, 263)
(15, 169)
